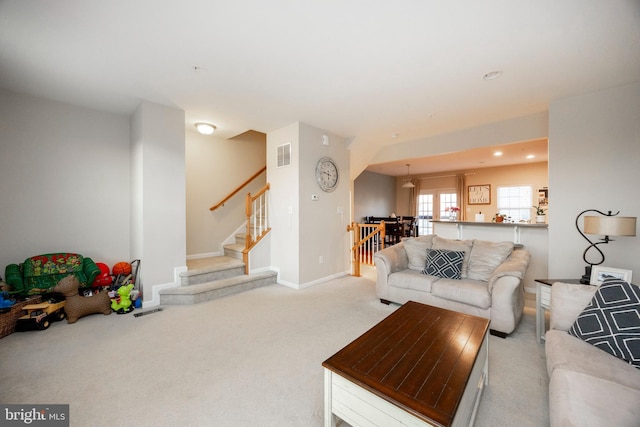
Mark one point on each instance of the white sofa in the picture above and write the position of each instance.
(490, 285)
(587, 385)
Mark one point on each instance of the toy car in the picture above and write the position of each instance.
(39, 316)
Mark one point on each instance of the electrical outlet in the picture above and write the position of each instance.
(320, 259)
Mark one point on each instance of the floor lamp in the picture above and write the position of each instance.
(607, 224)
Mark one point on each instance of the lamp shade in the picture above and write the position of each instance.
(408, 184)
(610, 225)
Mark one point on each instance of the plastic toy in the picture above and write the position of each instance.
(121, 304)
(78, 306)
(6, 302)
(103, 279)
(40, 316)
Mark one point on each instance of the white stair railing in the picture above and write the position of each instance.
(257, 210)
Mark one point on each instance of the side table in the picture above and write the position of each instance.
(543, 303)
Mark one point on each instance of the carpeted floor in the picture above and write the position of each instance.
(251, 359)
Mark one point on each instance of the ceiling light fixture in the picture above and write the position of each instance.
(205, 128)
(498, 153)
(408, 183)
(531, 156)
(492, 75)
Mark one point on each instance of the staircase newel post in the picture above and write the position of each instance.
(356, 238)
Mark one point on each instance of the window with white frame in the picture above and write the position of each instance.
(515, 202)
(433, 204)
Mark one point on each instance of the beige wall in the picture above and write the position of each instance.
(158, 194)
(309, 241)
(594, 147)
(65, 180)
(534, 174)
(215, 167)
(374, 194)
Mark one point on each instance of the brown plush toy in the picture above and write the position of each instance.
(78, 306)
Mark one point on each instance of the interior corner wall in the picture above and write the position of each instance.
(158, 220)
(309, 241)
(594, 147)
(214, 168)
(374, 194)
(64, 180)
(324, 240)
(284, 205)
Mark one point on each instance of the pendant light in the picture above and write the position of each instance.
(408, 183)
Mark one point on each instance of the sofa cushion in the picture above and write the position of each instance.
(564, 351)
(444, 263)
(412, 279)
(567, 302)
(416, 248)
(577, 399)
(472, 292)
(485, 257)
(611, 321)
(455, 245)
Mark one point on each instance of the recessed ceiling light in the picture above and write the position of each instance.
(531, 156)
(498, 153)
(395, 135)
(492, 75)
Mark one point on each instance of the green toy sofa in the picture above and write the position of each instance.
(39, 273)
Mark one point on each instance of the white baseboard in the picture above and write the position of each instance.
(155, 289)
(314, 282)
(262, 270)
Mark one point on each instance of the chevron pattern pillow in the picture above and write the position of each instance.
(444, 263)
(611, 321)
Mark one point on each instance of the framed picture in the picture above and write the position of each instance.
(599, 273)
(479, 194)
(543, 196)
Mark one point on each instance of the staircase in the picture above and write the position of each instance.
(221, 276)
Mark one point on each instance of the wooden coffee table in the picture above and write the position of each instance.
(421, 366)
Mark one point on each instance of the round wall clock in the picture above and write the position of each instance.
(327, 174)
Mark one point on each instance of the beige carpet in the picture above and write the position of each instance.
(251, 359)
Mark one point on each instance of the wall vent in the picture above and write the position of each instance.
(284, 155)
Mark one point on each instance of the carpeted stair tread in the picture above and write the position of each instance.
(216, 284)
(193, 294)
(221, 268)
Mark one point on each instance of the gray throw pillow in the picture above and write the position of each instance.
(611, 321)
(443, 263)
(486, 257)
(455, 245)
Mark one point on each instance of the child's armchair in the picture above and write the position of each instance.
(39, 273)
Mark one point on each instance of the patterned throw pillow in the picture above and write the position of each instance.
(611, 321)
(443, 263)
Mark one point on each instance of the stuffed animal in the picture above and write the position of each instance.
(122, 302)
(77, 306)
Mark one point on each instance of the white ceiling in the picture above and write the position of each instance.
(379, 72)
